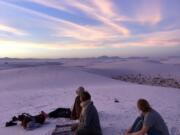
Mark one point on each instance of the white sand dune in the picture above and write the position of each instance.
(46, 87)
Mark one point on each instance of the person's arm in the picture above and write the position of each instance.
(74, 127)
(143, 131)
(127, 131)
(148, 122)
(88, 118)
(73, 111)
(24, 123)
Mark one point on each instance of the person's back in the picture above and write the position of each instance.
(154, 120)
(90, 119)
(89, 123)
(150, 122)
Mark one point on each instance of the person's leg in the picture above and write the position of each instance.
(137, 125)
(153, 131)
(60, 112)
(83, 132)
(66, 113)
(32, 125)
(54, 114)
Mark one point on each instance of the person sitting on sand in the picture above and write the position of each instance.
(28, 121)
(73, 113)
(149, 122)
(89, 123)
(76, 110)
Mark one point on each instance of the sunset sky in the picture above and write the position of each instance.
(88, 28)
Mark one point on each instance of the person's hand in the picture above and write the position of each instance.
(127, 133)
(74, 127)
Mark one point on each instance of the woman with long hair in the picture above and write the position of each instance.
(149, 122)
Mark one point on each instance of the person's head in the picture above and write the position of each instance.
(80, 90)
(85, 96)
(144, 106)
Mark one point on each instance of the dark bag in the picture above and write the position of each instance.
(60, 113)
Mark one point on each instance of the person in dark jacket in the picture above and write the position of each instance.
(150, 122)
(89, 123)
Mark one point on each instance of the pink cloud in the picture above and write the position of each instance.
(9, 29)
(103, 10)
(149, 12)
(164, 38)
(156, 42)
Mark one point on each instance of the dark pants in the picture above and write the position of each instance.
(85, 131)
(138, 124)
(60, 113)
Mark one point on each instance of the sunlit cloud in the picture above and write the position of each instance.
(149, 12)
(79, 25)
(87, 33)
(103, 10)
(16, 45)
(76, 31)
(70, 29)
(156, 42)
(161, 39)
(12, 30)
(52, 4)
(105, 7)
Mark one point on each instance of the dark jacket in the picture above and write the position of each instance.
(90, 120)
(76, 111)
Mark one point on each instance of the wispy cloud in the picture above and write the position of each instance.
(164, 39)
(15, 45)
(100, 24)
(52, 4)
(12, 30)
(149, 12)
(64, 28)
(106, 12)
(103, 11)
(151, 42)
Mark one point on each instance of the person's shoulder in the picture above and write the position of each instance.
(91, 106)
(153, 113)
(150, 113)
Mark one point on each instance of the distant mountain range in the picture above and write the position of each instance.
(100, 57)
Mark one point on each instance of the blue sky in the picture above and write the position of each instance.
(88, 28)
